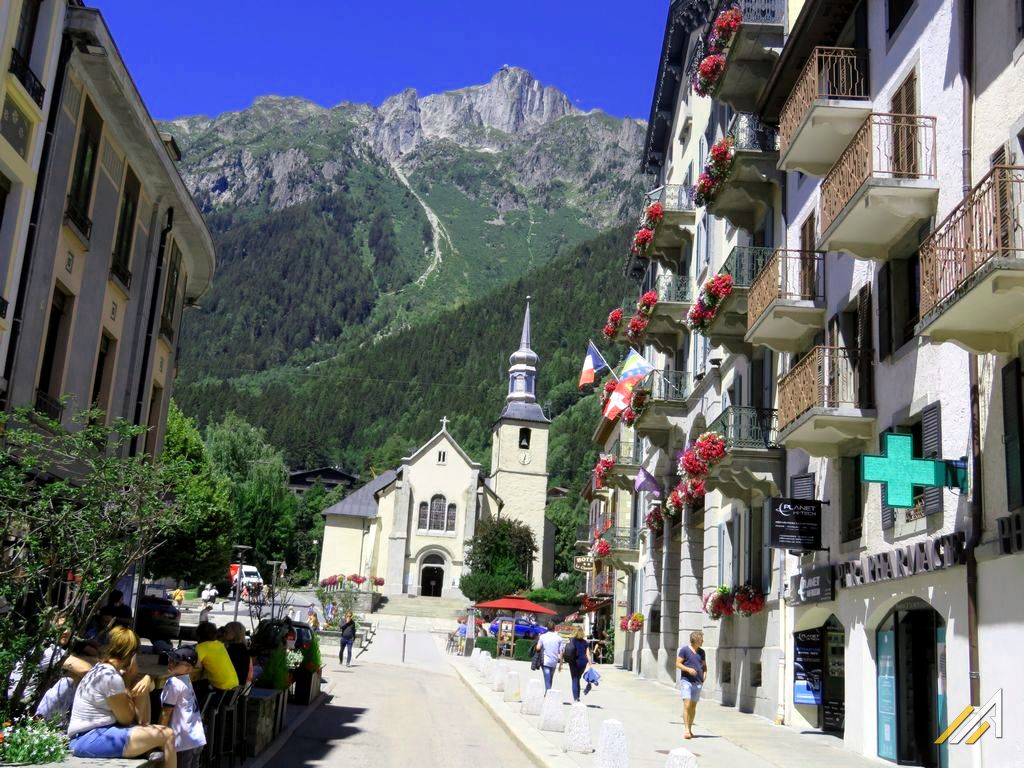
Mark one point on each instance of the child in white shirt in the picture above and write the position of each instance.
(180, 708)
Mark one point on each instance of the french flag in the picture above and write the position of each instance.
(593, 364)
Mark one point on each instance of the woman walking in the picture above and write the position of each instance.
(348, 638)
(693, 669)
(577, 656)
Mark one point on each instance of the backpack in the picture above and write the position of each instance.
(569, 654)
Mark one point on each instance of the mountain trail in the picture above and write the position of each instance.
(436, 227)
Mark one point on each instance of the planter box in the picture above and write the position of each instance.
(306, 688)
(261, 719)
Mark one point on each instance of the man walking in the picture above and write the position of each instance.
(693, 669)
(550, 644)
(348, 638)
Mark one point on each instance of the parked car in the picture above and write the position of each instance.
(523, 627)
(157, 619)
(271, 632)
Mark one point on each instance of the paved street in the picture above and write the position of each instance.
(385, 715)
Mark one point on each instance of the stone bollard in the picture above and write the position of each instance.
(681, 757)
(533, 701)
(552, 714)
(474, 658)
(499, 672)
(577, 730)
(611, 746)
(485, 664)
(512, 686)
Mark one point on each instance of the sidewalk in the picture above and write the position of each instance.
(651, 715)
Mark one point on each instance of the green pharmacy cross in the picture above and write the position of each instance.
(900, 471)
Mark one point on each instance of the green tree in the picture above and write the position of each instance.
(206, 527)
(309, 531)
(499, 557)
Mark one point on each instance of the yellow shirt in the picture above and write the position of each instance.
(214, 659)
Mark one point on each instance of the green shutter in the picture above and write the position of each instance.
(1013, 431)
(931, 446)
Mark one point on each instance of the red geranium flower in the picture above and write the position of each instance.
(615, 316)
(655, 213)
(692, 465)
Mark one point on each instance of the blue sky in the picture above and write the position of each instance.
(190, 57)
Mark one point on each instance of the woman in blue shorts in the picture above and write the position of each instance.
(693, 668)
(105, 707)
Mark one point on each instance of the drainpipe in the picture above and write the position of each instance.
(150, 325)
(977, 489)
(37, 200)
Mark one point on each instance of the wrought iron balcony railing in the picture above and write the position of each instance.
(622, 538)
(119, 269)
(673, 197)
(827, 377)
(987, 224)
(745, 263)
(670, 385)
(756, 11)
(886, 147)
(747, 427)
(750, 133)
(48, 406)
(789, 274)
(830, 73)
(78, 217)
(674, 289)
(21, 70)
(699, 52)
(628, 451)
(603, 583)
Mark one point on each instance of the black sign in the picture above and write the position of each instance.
(833, 715)
(807, 666)
(814, 585)
(795, 524)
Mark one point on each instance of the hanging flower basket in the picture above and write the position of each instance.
(624, 624)
(718, 603)
(639, 400)
(613, 323)
(642, 240)
(692, 465)
(705, 309)
(606, 392)
(604, 465)
(653, 214)
(636, 622)
(646, 304)
(655, 521)
(637, 327)
(708, 73)
(710, 447)
(748, 601)
(601, 548)
(674, 502)
(693, 491)
(716, 170)
(724, 29)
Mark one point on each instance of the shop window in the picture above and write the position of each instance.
(1013, 434)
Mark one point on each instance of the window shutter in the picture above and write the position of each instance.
(802, 486)
(721, 553)
(888, 513)
(931, 445)
(884, 313)
(1013, 431)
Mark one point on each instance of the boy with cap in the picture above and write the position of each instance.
(180, 709)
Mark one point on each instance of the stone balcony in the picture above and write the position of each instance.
(786, 303)
(628, 456)
(825, 403)
(729, 328)
(753, 463)
(829, 102)
(883, 186)
(745, 197)
(972, 268)
(667, 403)
(752, 53)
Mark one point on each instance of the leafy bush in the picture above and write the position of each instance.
(520, 651)
(275, 672)
(32, 741)
(490, 586)
(311, 656)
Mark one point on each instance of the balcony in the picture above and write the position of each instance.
(669, 391)
(752, 53)
(729, 328)
(628, 456)
(602, 584)
(883, 186)
(972, 268)
(23, 72)
(680, 212)
(828, 104)
(825, 403)
(79, 220)
(753, 461)
(119, 270)
(786, 304)
(745, 197)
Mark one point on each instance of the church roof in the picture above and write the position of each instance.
(361, 502)
(435, 440)
(519, 411)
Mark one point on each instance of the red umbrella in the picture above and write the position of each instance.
(514, 603)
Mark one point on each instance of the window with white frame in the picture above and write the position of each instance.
(438, 512)
(424, 516)
(450, 524)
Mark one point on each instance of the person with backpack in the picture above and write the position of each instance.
(577, 655)
(549, 649)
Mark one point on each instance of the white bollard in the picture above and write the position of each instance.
(533, 701)
(485, 664)
(552, 714)
(681, 757)
(512, 686)
(577, 731)
(498, 674)
(611, 746)
(474, 658)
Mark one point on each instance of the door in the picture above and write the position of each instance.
(432, 576)
(905, 161)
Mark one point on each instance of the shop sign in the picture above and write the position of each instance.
(807, 666)
(814, 585)
(833, 715)
(795, 524)
(584, 563)
(899, 471)
(1010, 532)
(935, 554)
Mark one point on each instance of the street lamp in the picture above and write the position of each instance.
(241, 549)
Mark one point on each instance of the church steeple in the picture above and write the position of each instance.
(521, 402)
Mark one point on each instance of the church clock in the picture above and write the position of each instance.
(524, 458)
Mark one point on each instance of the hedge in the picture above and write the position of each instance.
(521, 649)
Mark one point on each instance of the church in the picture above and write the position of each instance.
(410, 525)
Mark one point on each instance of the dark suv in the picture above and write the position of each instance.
(158, 619)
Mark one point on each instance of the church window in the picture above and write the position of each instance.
(524, 437)
(442, 457)
(424, 516)
(437, 513)
(450, 525)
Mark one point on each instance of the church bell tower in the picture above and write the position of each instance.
(519, 453)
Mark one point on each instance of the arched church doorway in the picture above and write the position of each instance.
(911, 646)
(432, 576)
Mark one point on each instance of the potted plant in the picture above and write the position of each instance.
(718, 603)
(747, 600)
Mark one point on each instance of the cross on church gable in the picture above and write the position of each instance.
(444, 424)
(900, 471)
